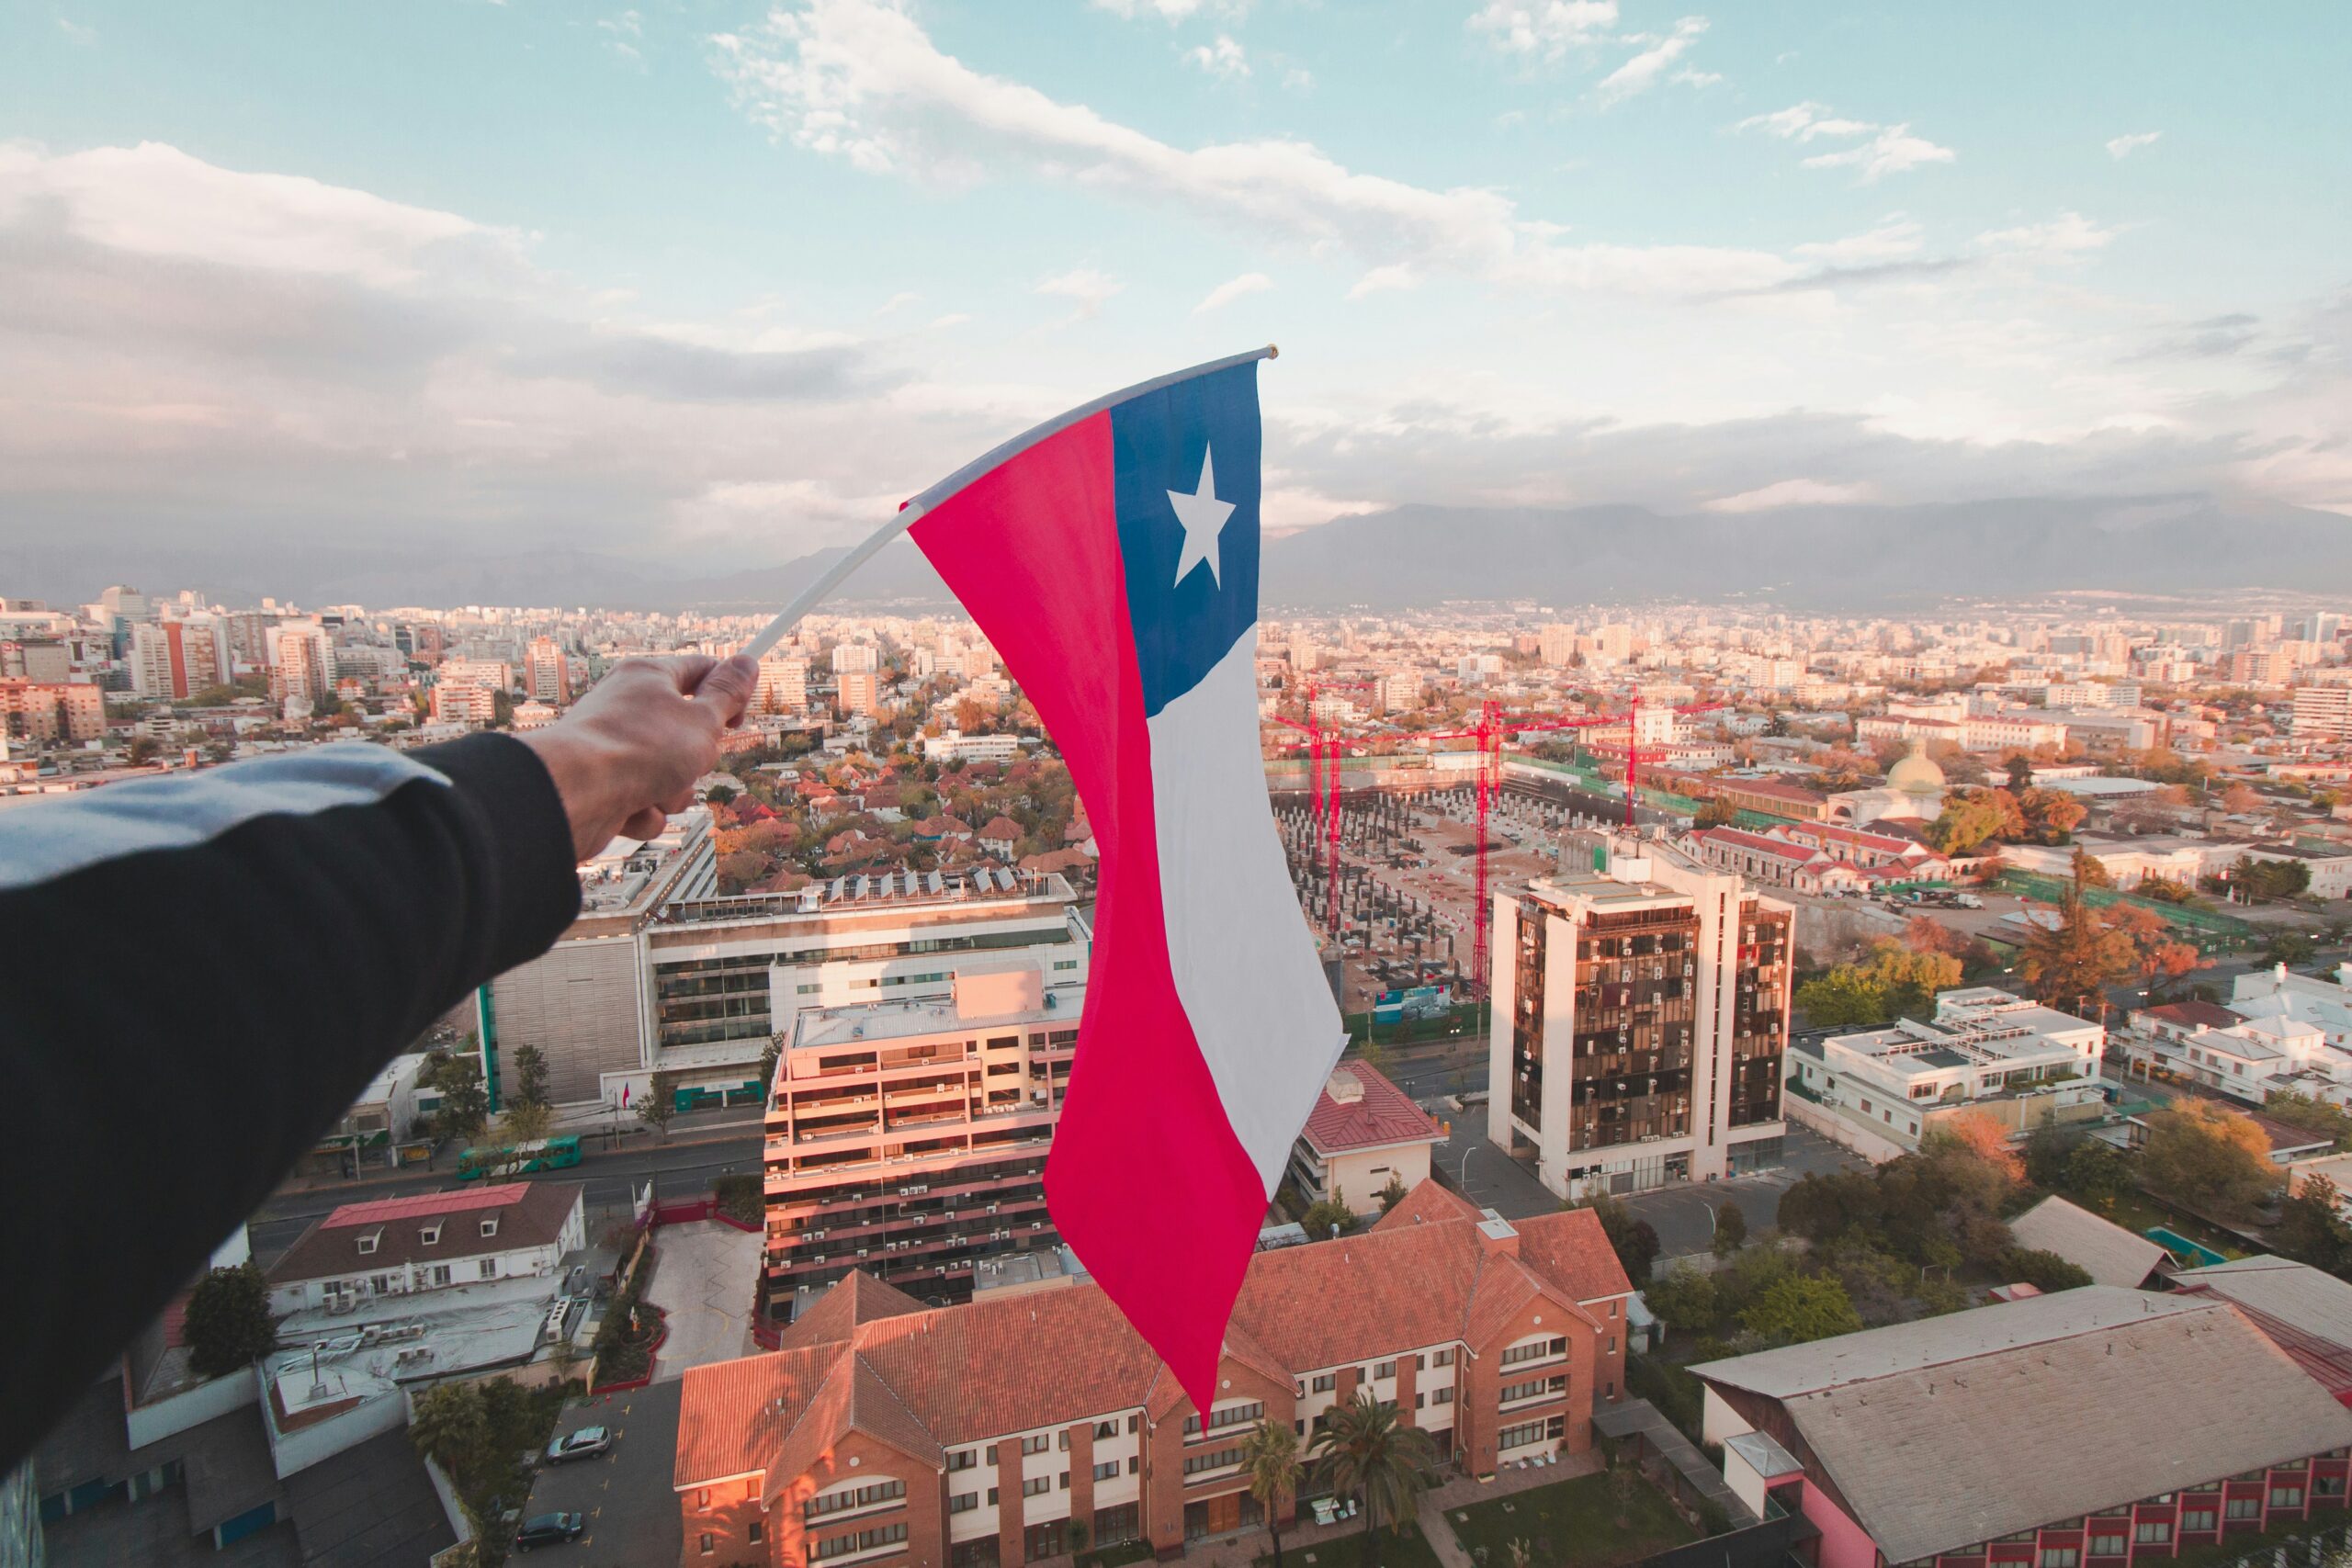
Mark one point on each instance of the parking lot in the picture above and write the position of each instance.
(612, 1489)
(703, 1283)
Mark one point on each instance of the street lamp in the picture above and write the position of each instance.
(1465, 1171)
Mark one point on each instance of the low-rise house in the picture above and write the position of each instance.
(1363, 1134)
(1770, 860)
(1009, 1429)
(2247, 1055)
(405, 1247)
(999, 836)
(2101, 1248)
(2019, 1433)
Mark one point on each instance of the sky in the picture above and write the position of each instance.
(714, 283)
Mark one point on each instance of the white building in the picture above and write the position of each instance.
(1362, 1134)
(406, 1247)
(1879, 1092)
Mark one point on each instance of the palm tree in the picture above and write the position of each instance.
(1270, 1458)
(1365, 1451)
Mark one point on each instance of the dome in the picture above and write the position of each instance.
(1916, 774)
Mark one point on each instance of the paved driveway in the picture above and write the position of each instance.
(703, 1282)
(632, 1514)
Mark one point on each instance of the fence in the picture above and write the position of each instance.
(2053, 890)
(1766, 1544)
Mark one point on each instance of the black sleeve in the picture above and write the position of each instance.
(199, 973)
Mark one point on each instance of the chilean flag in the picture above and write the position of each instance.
(1112, 561)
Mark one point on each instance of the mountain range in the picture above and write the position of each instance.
(1823, 558)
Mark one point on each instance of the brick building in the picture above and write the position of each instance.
(972, 1437)
(2017, 1435)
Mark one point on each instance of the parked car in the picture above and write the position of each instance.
(550, 1529)
(585, 1443)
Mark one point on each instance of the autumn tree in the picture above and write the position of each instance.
(2160, 955)
(2310, 1228)
(2207, 1156)
(2071, 963)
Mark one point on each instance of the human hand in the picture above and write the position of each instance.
(628, 754)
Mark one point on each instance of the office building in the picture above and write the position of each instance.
(1017, 1426)
(784, 684)
(546, 672)
(2019, 1433)
(1640, 1014)
(857, 692)
(52, 711)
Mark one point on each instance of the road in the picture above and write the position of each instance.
(683, 1168)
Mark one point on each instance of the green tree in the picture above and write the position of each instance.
(1822, 1206)
(228, 1325)
(465, 1104)
(1392, 1194)
(1326, 1214)
(2045, 1270)
(1365, 1452)
(450, 1427)
(2098, 1172)
(2298, 1110)
(1684, 1299)
(2292, 948)
(1731, 1229)
(1968, 823)
(1896, 981)
(1270, 1458)
(1633, 1240)
(2020, 767)
(770, 1054)
(143, 750)
(523, 1122)
(2310, 1228)
(2208, 1158)
(528, 1067)
(1800, 1308)
(719, 795)
(658, 1105)
(2047, 1149)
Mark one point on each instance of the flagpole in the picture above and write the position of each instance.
(834, 576)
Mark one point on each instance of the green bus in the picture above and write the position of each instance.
(520, 1159)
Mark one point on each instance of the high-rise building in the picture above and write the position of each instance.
(1556, 644)
(784, 684)
(857, 692)
(302, 663)
(853, 657)
(547, 675)
(172, 659)
(1641, 1011)
(62, 710)
(2324, 713)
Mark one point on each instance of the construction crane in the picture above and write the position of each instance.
(1488, 731)
(1324, 751)
(1634, 756)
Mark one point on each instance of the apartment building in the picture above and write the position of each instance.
(302, 661)
(1019, 1428)
(546, 672)
(907, 1138)
(782, 686)
(1640, 1016)
(174, 660)
(53, 711)
(2016, 1435)
(2324, 713)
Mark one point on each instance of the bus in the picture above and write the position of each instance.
(520, 1159)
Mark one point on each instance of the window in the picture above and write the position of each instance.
(710, 1543)
(2286, 1495)
(490, 1225)
(1325, 1382)
(2327, 1486)
(991, 1497)
(751, 1532)
(1107, 1470)
(863, 1540)
(1061, 1440)
(440, 1275)
(2199, 1519)
(1442, 1395)
(1420, 1363)
(431, 1234)
(489, 1268)
(1135, 1465)
(1533, 1388)
(2242, 1508)
(1134, 1425)
(1105, 1429)
(1237, 1416)
(1520, 1436)
(962, 1502)
(2108, 1546)
(1035, 1445)
(702, 1498)
(1036, 1486)
(1536, 1352)
(1384, 1370)
(1064, 1481)
(1215, 1460)
(853, 1497)
(2152, 1532)
(367, 1241)
(1442, 1357)
(2060, 1557)
(960, 1460)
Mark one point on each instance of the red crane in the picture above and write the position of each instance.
(1324, 751)
(1634, 755)
(1492, 725)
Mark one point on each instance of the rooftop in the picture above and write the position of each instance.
(2109, 1253)
(1359, 1109)
(907, 889)
(393, 1231)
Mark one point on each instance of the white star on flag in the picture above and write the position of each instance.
(1203, 516)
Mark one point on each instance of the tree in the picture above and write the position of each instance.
(1684, 1299)
(1392, 1194)
(2207, 1156)
(658, 1107)
(2071, 963)
(1367, 1453)
(2300, 1110)
(1731, 1229)
(2239, 799)
(523, 1122)
(228, 1325)
(1983, 1139)
(2292, 948)
(2310, 1228)
(1800, 1308)
(1327, 1215)
(2045, 1270)
(2046, 1151)
(1715, 814)
(2020, 767)
(450, 1427)
(465, 1104)
(1633, 1240)
(719, 794)
(2099, 1171)
(1895, 981)
(2051, 814)
(2088, 870)
(1967, 824)
(529, 1064)
(1270, 1458)
(1624, 1482)
(2160, 957)
(142, 751)
(1821, 1207)
(770, 1054)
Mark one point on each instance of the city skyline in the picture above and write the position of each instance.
(564, 296)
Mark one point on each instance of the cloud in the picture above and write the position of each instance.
(898, 301)
(1795, 492)
(1086, 287)
(1891, 152)
(1224, 57)
(1170, 11)
(2066, 239)
(1298, 79)
(1641, 72)
(1545, 29)
(2215, 337)
(76, 33)
(1689, 78)
(621, 35)
(1382, 279)
(2122, 147)
(1896, 238)
(861, 81)
(1225, 293)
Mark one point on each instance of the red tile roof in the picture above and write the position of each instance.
(1427, 1203)
(2191, 1014)
(463, 1201)
(1383, 1114)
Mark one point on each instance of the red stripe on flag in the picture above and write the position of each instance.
(1146, 1179)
